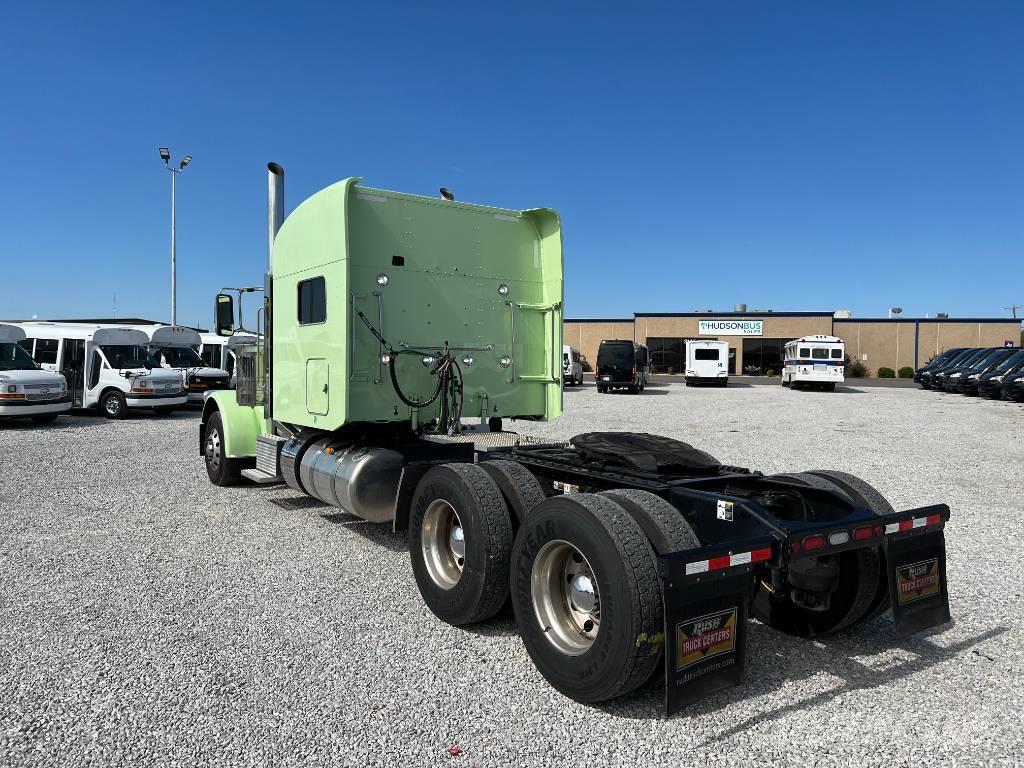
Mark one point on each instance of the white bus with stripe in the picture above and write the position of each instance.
(814, 361)
(26, 389)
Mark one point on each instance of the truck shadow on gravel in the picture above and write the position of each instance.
(775, 659)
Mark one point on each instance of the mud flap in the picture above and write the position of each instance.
(705, 631)
(917, 581)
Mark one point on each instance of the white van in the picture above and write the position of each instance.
(221, 351)
(105, 367)
(707, 362)
(27, 390)
(572, 368)
(816, 361)
(176, 347)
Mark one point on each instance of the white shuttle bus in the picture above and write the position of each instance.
(27, 390)
(572, 367)
(707, 362)
(105, 367)
(814, 361)
(221, 351)
(176, 347)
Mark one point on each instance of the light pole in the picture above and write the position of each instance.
(165, 155)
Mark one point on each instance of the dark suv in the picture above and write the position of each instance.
(621, 365)
(966, 381)
(990, 383)
(936, 362)
(941, 375)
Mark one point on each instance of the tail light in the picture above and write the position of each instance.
(863, 534)
(812, 543)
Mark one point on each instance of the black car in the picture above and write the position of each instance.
(966, 381)
(621, 364)
(936, 362)
(990, 383)
(937, 377)
(1013, 386)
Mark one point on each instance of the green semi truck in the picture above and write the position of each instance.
(399, 334)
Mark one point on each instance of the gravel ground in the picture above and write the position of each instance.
(149, 618)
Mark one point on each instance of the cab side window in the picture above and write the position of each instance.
(312, 301)
(26, 344)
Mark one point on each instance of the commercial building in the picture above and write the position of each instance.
(756, 338)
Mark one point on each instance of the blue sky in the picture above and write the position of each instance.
(797, 156)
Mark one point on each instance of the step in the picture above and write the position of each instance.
(263, 478)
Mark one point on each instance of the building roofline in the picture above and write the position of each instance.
(753, 315)
(597, 320)
(927, 320)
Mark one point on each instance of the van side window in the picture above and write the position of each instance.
(805, 351)
(46, 351)
(209, 355)
(95, 365)
(26, 344)
(312, 301)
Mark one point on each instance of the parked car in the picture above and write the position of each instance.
(966, 382)
(936, 362)
(1013, 386)
(622, 365)
(940, 376)
(990, 383)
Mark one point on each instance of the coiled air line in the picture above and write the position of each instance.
(449, 381)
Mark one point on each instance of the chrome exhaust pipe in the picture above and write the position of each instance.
(275, 208)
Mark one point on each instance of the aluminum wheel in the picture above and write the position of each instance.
(112, 405)
(444, 544)
(213, 451)
(565, 597)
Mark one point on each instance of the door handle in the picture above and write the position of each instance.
(325, 389)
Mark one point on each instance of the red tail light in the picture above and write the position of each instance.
(814, 542)
(634, 371)
(862, 534)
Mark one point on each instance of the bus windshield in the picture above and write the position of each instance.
(127, 356)
(181, 357)
(14, 358)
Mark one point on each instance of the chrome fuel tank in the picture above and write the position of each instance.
(360, 480)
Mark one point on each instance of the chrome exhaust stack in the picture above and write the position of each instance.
(275, 218)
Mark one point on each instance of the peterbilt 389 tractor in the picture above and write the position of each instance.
(400, 333)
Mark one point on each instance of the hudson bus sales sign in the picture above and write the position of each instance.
(730, 327)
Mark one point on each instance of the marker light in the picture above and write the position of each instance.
(838, 537)
(385, 358)
(467, 360)
(863, 534)
(812, 543)
(382, 279)
(428, 360)
(506, 361)
(503, 290)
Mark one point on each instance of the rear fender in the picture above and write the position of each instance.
(242, 424)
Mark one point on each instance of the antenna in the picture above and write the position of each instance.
(1013, 308)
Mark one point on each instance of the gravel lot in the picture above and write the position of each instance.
(149, 618)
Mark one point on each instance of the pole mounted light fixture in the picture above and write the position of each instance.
(165, 155)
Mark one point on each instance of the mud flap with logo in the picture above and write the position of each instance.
(917, 581)
(706, 622)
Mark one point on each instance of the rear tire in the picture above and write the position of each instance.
(664, 526)
(583, 564)
(519, 487)
(460, 537)
(113, 405)
(44, 418)
(869, 497)
(222, 470)
(859, 574)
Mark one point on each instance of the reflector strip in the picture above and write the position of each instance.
(908, 525)
(728, 561)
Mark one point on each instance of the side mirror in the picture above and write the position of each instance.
(224, 315)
